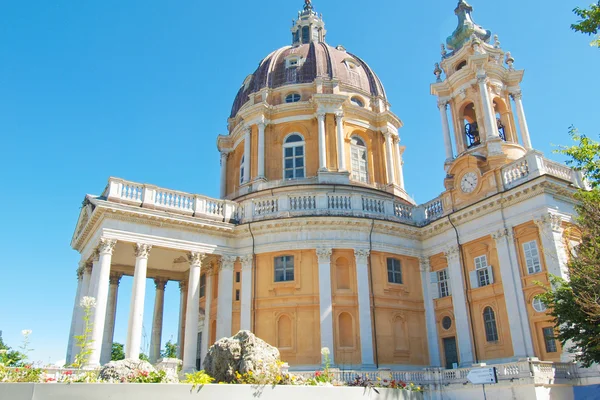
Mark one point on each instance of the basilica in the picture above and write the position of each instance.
(314, 241)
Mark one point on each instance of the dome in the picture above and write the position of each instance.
(307, 59)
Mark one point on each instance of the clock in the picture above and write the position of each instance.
(468, 182)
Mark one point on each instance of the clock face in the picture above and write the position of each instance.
(468, 183)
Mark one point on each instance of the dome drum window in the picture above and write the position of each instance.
(357, 101)
(293, 98)
(293, 157)
(358, 156)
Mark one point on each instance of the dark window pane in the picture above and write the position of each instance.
(289, 174)
(300, 173)
(299, 162)
(289, 152)
(289, 163)
(299, 150)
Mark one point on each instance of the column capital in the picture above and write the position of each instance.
(424, 264)
(88, 267)
(106, 246)
(387, 134)
(452, 253)
(160, 283)
(551, 222)
(504, 232)
(247, 261)
(443, 104)
(183, 285)
(248, 129)
(95, 257)
(361, 255)
(226, 262)
(516, 95)
(324, 255)
(321, 115)
(262, 124)
(115, 278)
(195, 258)
(142, 250)
(79, 272)
(339, 116)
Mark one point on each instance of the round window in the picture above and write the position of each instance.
(446, 323)
(292, 98)
(357, 102)
(538, 305)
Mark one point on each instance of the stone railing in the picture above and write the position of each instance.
(533, 165)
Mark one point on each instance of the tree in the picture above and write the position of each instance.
(589, 22)
(170, 350)
(144, 357)
(10, 357)
(118, 352)
(575, 304)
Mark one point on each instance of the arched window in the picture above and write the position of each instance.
(293, 157)
(489, 320)
(357, 101)
(471, 128)
(359, 159)
(292, 97)
(461, 65)
(242, 170)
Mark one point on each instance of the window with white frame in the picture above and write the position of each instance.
(538, 305)
(532, 257)
(358, 157)
(489, 321)
(483, 274)
(293, 157)
(394, 270)
(443, 283)
(284, 269)
(242, 167)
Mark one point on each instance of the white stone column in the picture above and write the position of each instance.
(207, 308)
(157, 320)
(246, 295)
(513, 294)
(91, 288)
(182, 311)
(224, 155)
(489, 119)
(190, 348)
(459, 302)
(432, 333)
(247, 154)
(341, 143)
(389, 160)
(111, 313)
(225, 299)
(325, 302)
(364, 308)
(322, 142)
(100, 293)
(85, 291)
(72, 331)
(136, 310)
(518, 99)
(400, 161)
(261, 150)
(443, 106)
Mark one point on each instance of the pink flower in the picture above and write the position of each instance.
(68, 372)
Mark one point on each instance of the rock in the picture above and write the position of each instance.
(122, 371)
(241, 353)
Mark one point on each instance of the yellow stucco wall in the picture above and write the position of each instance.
(443, 308)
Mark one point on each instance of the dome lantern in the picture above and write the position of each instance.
(466, 28)
(309, 27)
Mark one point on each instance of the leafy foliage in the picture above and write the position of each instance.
(10, 357)
(170, 350)
(23, 374)
(199, 378)
(144, 357)
(117, 352)
(84, 341)
(589, 22)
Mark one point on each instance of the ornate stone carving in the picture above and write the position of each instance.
(96, 255)
(361, 255)
(79, 272)
(227, 262)
(195, 258)
(115, 278)
(443, 104)
(506, 232)
(452, 253)
(424, 264)
(142, 250)
(324, 255)
(88, 267)
(107, 246)
(183, 286)
(516, 95)
(339, 116)
(160, 283)
(247, 261)
(550, 222)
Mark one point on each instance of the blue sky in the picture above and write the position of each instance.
(140, 89)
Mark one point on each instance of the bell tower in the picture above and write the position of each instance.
(475, 82)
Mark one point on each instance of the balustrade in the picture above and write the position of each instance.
(265, 207)
(339, 202)
(372, 205)
(515, 172)
(302, 203)
(173, 200)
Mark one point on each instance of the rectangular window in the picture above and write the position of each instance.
(284, 269)
(483, 271)
(532, 257)
(237, 277)
(549, 340)
(359, 164)
(293, 162)
(394, 270)
(237, 295)
(202, 285)
(443, 284)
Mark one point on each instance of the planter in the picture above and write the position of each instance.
(103, 391)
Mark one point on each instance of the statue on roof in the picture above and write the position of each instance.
(308, 5)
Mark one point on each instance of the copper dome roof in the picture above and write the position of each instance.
(319, 60)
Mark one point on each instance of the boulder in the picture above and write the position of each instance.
(241, 353)
(123, 370)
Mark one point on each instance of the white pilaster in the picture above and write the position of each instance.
(72, 331)
(389, 161)
(513, 294)
(111, 313)
(190, 348)
(100, 293)
(182, 311)
(400, 163)
(325, 301)
(459, 302)
(341, 143)
(489, 119)
(207, 308)
(247, 154)
(136, 310)
(225, 299)
(443, 106)
(518, 99)
(157, 320)
(246, 295)
(432, 334)
(224, 155)
(85, 291)
(364, 307)
(322, 142)
(261, 150)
